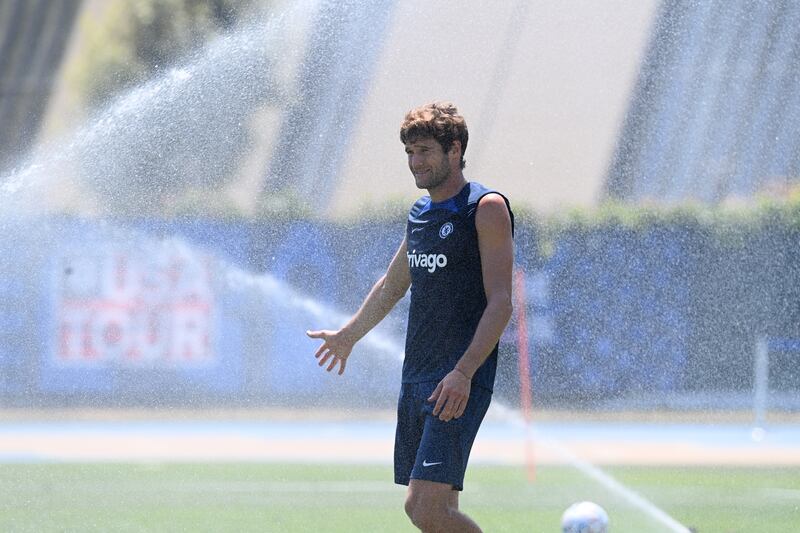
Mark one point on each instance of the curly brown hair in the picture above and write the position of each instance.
(440, 121)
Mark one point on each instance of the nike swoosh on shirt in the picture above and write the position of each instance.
(426, 463)
(416, 229)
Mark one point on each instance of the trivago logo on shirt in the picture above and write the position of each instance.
(429, 261)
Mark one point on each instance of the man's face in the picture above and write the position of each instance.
(428, 162)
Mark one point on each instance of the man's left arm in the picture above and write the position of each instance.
(493, 223)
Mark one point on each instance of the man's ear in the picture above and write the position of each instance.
(457, 147)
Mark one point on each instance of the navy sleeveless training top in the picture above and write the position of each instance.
(447, 294)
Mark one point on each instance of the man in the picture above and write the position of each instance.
(457, 257)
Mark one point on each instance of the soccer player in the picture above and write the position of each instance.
(457, 258)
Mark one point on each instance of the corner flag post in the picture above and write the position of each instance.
(525, 389)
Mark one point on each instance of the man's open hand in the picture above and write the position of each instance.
(336, 348)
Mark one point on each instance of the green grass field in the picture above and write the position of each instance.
(220, 497)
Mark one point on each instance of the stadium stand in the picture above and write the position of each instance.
(715, 112)
(33, 37)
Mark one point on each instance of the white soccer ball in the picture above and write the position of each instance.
(584, 517)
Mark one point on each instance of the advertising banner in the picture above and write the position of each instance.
(133, 313)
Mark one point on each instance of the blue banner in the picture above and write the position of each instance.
(133, 314)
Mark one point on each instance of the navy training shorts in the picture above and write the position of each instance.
(427, 448)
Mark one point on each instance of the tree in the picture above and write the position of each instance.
(131, 41)
(172, 92)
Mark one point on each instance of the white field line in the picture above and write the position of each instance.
(346, 487)
(615, 486)
(595, 473)
(783, 494)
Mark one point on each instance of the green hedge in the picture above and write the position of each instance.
(726, 224)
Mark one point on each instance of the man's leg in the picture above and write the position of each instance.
(433, 508)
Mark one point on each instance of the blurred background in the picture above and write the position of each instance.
(187, 186)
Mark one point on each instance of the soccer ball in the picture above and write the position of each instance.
(584, 517)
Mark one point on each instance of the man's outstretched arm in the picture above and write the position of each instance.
(383, 296)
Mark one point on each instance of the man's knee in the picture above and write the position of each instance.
(409, 506)
(426, 515)
(428, 510)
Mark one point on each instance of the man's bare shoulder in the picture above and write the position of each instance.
(493, 211)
